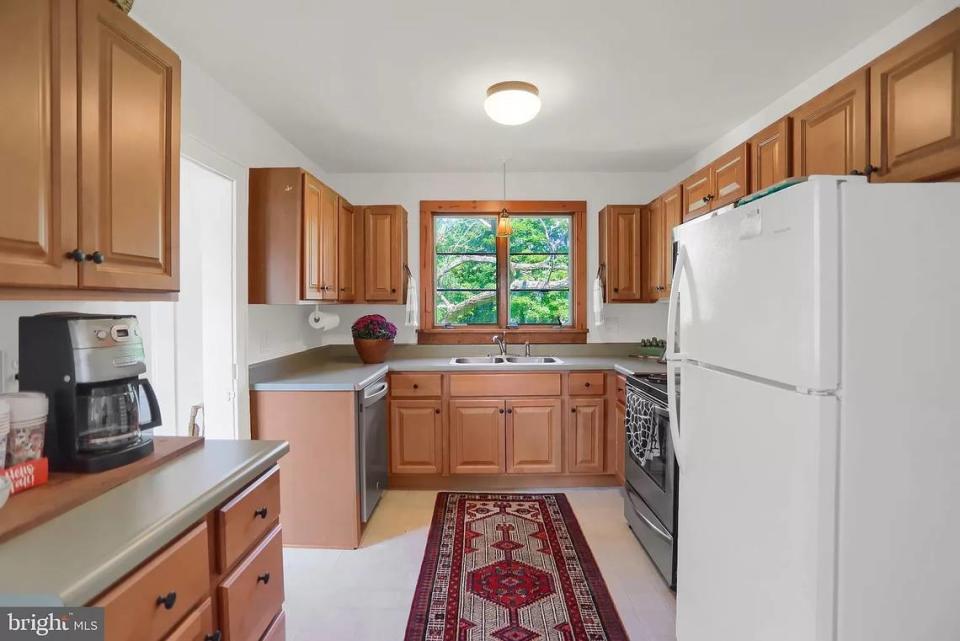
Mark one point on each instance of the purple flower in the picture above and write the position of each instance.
(374, 326)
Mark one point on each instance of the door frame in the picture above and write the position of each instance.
(197, 151)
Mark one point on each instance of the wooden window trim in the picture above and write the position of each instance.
(576, 332)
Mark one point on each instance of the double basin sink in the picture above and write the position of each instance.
(505, 360)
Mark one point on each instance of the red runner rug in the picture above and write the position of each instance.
(509, 567)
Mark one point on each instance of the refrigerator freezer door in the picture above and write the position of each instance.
(757, 521)
(899, 529)
(760, 291)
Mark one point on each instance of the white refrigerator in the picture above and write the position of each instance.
(813, 346)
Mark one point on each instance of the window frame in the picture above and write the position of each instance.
(576, 332)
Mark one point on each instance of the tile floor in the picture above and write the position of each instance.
(365, 594)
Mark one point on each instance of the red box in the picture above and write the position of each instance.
(27, 474)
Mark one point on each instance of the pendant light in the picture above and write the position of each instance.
(504, 226)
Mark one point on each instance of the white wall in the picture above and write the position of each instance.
(906, 25)
(624, 322)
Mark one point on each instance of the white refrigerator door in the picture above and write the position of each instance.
(760, 291)
(756, 523)
(899, 529)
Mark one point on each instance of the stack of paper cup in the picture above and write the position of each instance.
(28, 421)
(4, 430)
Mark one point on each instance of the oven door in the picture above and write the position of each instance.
(651, 469)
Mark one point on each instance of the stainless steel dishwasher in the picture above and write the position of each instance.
(372, 440)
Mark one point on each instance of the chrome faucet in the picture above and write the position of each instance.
(501, 342)
(526, 349)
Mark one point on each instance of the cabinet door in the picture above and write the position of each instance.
(129, 152)
(585, 436)
(654, 275)
(830, 131)
(38, 161)
(320, 221)
(770, 155)
(347, 251)
(383, 234)
(915, 106)
(731, 176)
(477, 440)
(623, 235)
(672, 216)
(697, 193)
(416, 437)
(533, 436)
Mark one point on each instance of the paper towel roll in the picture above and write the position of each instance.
(322, 320)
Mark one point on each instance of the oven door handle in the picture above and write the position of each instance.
(674, 358)
(638, 510)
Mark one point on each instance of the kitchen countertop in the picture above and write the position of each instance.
(84, 551)
(347, 373)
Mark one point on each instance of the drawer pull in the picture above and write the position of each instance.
(168, 600)
(216, 636)
(261, 512)
(416, 386)
(587, 384)
(264, 578)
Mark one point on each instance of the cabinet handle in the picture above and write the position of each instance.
(501, 410)
(869, 169)
(436, 411)
(216, 636)
(96, 257)
(393, 290)
(587, 384)
(261, 512)
(509, 411)
(616, 289)
(264, 578)
(77, 255)
(416, 386)
(573, 410)
(167, 600)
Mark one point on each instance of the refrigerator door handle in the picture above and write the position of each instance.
(674, 357)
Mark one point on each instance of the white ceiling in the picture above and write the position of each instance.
(398, 85)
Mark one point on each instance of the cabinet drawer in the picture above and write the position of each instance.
(278, 629)
(253, 594)
(586, 383)
(415, 384)
(246, 517)
(503, 385)
(198, 626)
(622, 389)
(180, 575)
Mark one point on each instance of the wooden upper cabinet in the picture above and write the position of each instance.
(672, 201)
(385, 253)
(585, 436)
(770, 155)
(830, 131)
(477, 439)
(731, 176)
(416, 437)
(38, 170)
(320, 221)
(129, 154)
(654, 252)
(347, 239)
(697, 192)
(915, 106)
(533, 433)
(621, 253)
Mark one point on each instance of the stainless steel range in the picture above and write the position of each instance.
(651, 472)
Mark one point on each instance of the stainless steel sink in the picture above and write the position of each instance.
(533, 360)
(477, 360)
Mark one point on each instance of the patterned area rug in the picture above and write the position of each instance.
(509, 567)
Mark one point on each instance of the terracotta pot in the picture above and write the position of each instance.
(372, 350)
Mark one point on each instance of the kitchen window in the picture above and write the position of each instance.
(529, 285)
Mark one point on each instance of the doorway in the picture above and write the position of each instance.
(206, 315)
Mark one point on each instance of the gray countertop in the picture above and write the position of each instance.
(82, 552)
(345, 372)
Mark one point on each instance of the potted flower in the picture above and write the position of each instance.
(373, 337)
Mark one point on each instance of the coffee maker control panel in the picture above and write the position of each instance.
(106, 348)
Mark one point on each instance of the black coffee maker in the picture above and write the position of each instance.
(89, 366)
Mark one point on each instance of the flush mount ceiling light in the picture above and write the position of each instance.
(513, 102)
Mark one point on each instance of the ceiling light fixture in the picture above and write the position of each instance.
(513, 102)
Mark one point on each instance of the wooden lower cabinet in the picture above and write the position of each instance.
(180, 594)
(477, 436)
(416, 437)
(533, 436)
(585, 436)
